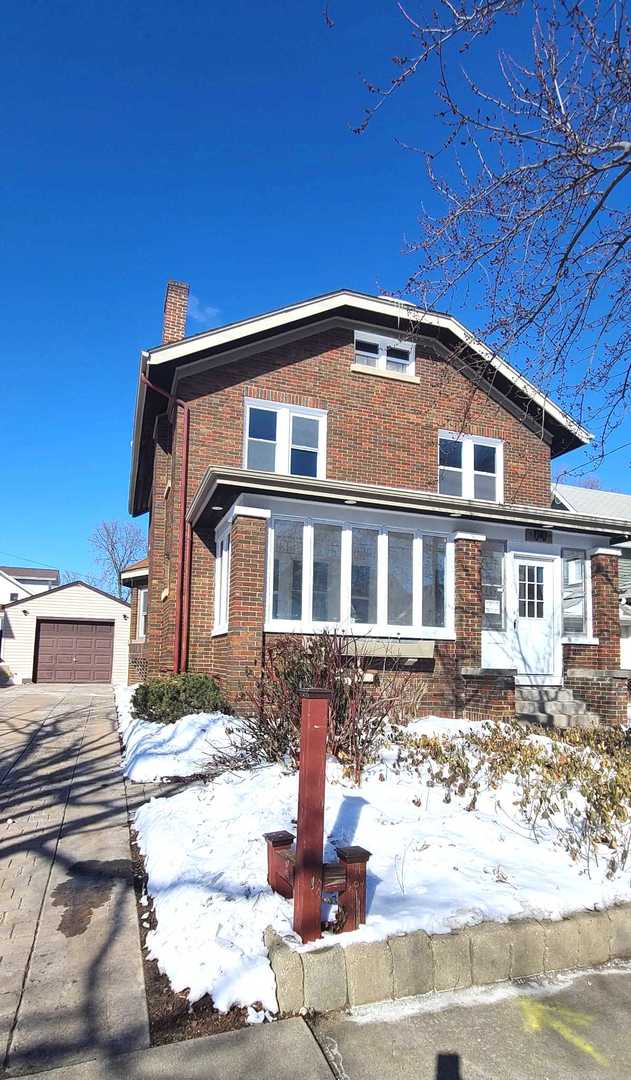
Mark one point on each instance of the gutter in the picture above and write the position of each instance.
(183, 587)
(401, 499)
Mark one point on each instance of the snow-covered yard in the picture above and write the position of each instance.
(435, 866)
(158, 751)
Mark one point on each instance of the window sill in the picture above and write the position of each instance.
(363, 369)
(578, 639)
(219, 631)
(138, 641)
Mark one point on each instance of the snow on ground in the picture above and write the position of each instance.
(434, 867)
(155, 751)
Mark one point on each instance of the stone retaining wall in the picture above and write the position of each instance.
(334, 977)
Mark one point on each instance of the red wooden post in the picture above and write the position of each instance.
(314, 722)
(353, 897)
(277, 843)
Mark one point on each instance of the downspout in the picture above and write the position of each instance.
(184, 541)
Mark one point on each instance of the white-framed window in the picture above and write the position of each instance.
(358, 578)
(492, 577)
(470, 466)
(222, 581)
(141, 620)
(286, 439)
(385, 353)
(574, 591)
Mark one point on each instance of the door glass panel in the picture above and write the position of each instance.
(364, 576)
(287, 583)
(530, 598)
(327, 549)
(400, 579)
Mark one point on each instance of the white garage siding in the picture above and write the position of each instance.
(74, 602)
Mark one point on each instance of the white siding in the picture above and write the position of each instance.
(75, 602)
(8, 586)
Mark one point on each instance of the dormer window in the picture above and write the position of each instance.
(284, 439)
(470, 467)
(384, 353)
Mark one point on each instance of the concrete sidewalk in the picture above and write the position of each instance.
(70, 960)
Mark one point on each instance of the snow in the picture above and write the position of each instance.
(155, 751)
(434, 866)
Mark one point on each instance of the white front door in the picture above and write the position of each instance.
(536, 642)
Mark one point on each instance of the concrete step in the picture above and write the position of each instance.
(559, 719)
(543, 693)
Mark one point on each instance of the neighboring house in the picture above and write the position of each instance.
(71, 634)
(32, 579)
(611, 504)
(11, 588)
(352, 462)
(135, 577)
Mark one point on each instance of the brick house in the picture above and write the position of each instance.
(355, 462)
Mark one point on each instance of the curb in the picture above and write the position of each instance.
(405, 965)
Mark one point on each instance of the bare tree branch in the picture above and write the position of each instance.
(116, 545)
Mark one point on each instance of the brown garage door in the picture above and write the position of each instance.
(74, 651)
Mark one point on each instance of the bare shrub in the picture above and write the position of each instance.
(363, 709)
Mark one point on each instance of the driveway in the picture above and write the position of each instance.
(71, 980)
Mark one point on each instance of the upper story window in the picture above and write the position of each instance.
(141, 623)
(285, 439)
(384, 353)
(470, 467)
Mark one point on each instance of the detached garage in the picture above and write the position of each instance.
(72, 634)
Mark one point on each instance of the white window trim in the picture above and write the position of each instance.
(223, 550)
(284, 415)
(384, 342)
(141, 614)
(381, 628)
(468, 472)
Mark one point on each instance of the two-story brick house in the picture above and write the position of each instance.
(353, 462)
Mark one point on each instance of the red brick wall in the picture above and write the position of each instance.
(246, 605)
(468, 600)
(380, 431)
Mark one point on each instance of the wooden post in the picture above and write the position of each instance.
(277, 843)
(353, 898)
(314, 723)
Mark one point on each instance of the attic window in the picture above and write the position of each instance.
(384, 353)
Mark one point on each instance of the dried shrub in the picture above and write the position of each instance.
(576, 783)
(363, 710)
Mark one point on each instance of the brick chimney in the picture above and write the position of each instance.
(175, 309)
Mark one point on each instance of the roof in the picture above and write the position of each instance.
(34, 572)
(69, 585)
(135, 572)
(583, 500)
(165, 364)
(140, 565)
(220, 487)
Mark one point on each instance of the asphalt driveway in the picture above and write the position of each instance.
(71, 981)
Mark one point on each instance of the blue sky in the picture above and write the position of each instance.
(207, 143)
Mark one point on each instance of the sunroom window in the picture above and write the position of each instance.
(357, 578)
(470, 466)
(574, 607)
(384, 353)
(285, 439)
(222, 581)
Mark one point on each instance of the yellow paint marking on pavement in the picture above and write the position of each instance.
(537, 1016)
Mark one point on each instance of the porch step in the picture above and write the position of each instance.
(544, 693)
(561, 720)
(552, 707)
